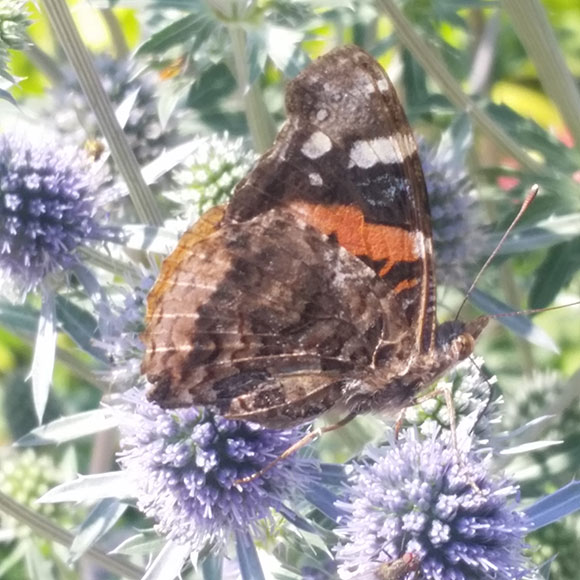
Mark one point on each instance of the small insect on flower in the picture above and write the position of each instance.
(50, 198)
(399, 569)
(421, 496)
(185, 464)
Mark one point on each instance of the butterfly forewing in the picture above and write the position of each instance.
(316, 285)
(346, 162)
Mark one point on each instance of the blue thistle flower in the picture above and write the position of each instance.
(123, 81)
(185, 464)
(458, 234)
(476, 408)
(416, 497)
(209, 176)
(49, 200)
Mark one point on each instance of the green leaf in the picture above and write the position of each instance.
(6, 96)
(543, 234)
(142, 544)
(101, 519)
(555, 506)
(21, 319)
(114, 484)
(44, 354)
(555, 272)
(212, 566)
(69, 428)
(149, 238)
(214, 83)
(558, 157)
(250, 566)
(80, 325)
(517, 323)
(12, 559)
(179, 32)
(37, 565)
(283, 48)
(169, 562)
(168, 160)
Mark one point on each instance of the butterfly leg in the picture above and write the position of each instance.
(399, 422)
(313, 435)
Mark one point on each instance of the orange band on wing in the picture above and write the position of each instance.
(347, 223)
(405, 285)
(207, 224)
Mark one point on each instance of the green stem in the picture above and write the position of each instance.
(116, 32)
(47, 529)
(260, 122)
(429, 60)
(79, 57)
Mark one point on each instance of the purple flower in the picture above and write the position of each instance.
(457, 228)
(186, 464)
(49, 200)
(416, 497)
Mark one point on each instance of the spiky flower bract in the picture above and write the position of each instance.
(143, 129)
(25, 476)
(187, 463)
(209, 175)
(474, 403)
(14, 19)
(121, 331)
(456, 221)
(421, 496)
(49, 205)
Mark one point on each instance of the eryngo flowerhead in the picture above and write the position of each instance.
(126, 83)
(422, 497)
(121, 329)
(49, 201)
(476, 406)
(457, 228)
(209, 175)
(25, 476)
(14, 19)
(186, 463)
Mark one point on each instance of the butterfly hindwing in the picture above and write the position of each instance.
(244, 339)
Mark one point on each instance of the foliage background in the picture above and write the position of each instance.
(498, 53)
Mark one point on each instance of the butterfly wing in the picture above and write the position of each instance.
(320, 268)
(264, 320)
(346, 162)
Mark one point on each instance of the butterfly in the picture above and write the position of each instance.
(314, 288)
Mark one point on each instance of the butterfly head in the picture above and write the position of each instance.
(459, 337)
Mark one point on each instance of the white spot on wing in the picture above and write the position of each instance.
(315, 179)
(392, 149)
(420, 244)
(429, 246)
(383, 86)
(321, 114)
(316, 145)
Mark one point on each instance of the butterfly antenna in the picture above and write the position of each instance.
(526, 203)
(532, 310)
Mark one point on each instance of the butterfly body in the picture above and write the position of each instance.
(314, 288)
